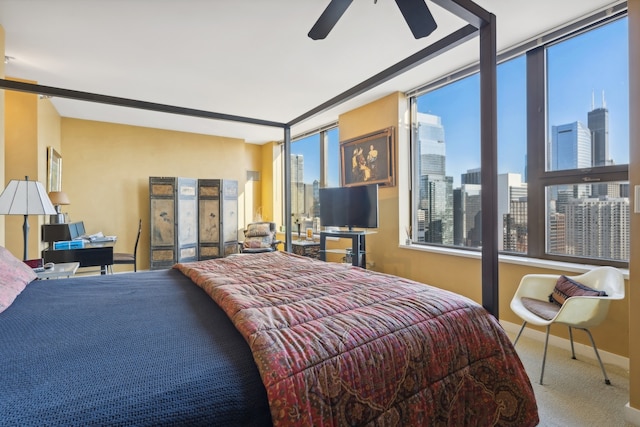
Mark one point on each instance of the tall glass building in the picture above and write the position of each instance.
(570, 147)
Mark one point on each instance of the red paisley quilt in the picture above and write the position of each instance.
(338, 345)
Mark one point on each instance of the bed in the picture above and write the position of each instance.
(252, 340)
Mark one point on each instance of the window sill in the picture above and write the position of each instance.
(509, 259)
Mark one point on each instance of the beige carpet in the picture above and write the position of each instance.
(574, 392)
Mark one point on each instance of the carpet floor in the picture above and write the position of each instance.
(574, 392)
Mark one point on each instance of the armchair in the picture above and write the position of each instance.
(531, 303)
(259, 237)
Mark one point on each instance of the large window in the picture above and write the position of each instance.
(587, 147)
(446, 161)
(315, 163)
(562, 152)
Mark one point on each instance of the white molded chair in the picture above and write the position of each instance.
(580, 312)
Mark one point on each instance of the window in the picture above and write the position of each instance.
(446, 160)
(315, 163)
(584, 176)
(566, 162)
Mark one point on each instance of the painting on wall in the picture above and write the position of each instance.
(368, 159)
(54, 170)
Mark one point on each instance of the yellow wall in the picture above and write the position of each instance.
(21, 160)
(381, 247)
(106, 170)
(634, 180)
(2, 150)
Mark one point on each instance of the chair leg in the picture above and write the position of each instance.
(593, 343)
(519, 333)
(573, 352)
(544, 357)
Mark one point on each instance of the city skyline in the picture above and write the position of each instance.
(582, 219)
(570, 98)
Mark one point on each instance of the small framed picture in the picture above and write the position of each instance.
(54, 170)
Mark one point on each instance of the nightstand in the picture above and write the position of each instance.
(59, 270)
(307, 248)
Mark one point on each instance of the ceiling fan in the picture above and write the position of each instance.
(415, 12)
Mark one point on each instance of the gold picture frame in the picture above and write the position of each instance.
(54, 170)
(369, 159)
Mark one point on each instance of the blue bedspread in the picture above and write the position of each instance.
(147, 348)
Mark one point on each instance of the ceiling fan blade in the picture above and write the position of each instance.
(418, 17)
(328, 19)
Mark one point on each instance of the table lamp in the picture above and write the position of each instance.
(58, 198)
(25, 198)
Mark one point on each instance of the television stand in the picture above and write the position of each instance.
(358, 252)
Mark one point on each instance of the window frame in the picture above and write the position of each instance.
(323, 153)
(538, 178)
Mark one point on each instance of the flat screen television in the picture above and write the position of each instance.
(352, 207)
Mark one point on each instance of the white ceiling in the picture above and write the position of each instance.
(248, 58)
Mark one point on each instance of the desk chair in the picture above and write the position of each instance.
(126, 258)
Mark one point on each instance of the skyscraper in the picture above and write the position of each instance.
(598, 123)
(512, 194)
(431, 145)
(434, 198)
(598, 228)
(570, 147)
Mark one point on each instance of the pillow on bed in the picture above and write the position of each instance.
(566, 288)
(15, 276)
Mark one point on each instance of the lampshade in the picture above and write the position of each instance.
(25, 198)
(59, 198)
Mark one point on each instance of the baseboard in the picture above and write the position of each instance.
(581, 349)
(632, 415)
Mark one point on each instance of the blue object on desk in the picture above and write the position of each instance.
(69, 244)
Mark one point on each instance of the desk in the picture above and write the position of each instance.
(92, 255)
(65, 269)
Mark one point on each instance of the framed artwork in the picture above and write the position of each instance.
(368, 159)
(162, 222)
(54, 170)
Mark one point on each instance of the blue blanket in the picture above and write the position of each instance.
(147, 348)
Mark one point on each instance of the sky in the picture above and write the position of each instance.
(588, 64)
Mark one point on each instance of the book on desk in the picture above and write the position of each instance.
(68, 244)
(96, 238)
